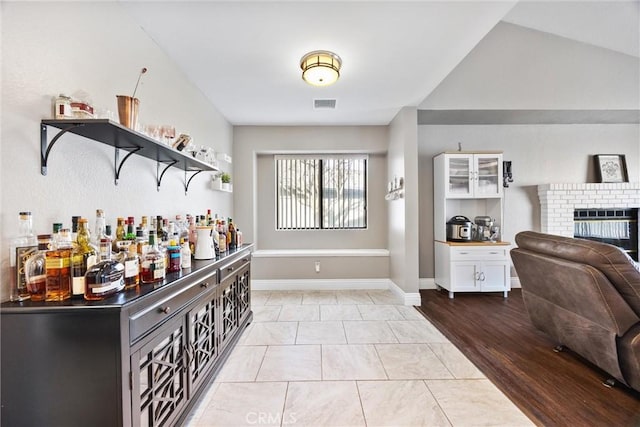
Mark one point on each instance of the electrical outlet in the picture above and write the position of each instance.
(317, 266)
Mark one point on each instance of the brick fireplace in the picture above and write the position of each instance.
(558, 202)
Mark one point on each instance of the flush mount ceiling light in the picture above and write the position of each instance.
(320, 67)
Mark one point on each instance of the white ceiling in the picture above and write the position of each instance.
(244, 55)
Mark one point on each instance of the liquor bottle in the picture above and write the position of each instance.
(174, 255)
(165, 231)
(193, 236)
(35, 269)
(58, 263)
(83, 257)
(153, 266)
(74, 228)
(231, 236)
(106, 277)
(222, 239)
(100, 228)
(185, 253)
(158, 228)
(55, 234)
(22, 247)
(239, 240)
(132, 268)
(107, 234)
(130, 234)
(141, 241)
(120, 234)
(144, 225)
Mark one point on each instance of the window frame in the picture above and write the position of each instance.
(320, 193)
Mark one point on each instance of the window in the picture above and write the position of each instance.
(321, 192)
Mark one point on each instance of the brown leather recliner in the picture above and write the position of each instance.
(586, 296)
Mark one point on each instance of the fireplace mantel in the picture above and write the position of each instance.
(558, 201)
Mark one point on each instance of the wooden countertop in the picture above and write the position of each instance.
(474, 243)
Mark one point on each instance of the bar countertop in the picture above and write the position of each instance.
(199, 268)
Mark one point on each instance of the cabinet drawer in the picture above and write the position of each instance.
(166, 306)
(479, 253)
(232, 267)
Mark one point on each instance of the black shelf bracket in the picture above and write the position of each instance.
(187, 182)
(45, 148)
(118, 167)
(160, 175)
(119, 137)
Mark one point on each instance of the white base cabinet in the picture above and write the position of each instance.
(473, 267)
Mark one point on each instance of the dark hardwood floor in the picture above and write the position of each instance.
(552, 389)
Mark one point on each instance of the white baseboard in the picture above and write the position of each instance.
(409, 298)
(318, 284)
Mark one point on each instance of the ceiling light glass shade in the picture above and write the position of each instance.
(320, 67)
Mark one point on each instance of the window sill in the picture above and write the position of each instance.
(288, 253)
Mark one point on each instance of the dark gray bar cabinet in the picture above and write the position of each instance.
(139, 358)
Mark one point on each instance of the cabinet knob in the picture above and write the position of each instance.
(204, 284)
(166, 310)
(229, 268)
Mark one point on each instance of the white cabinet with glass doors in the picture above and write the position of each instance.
(469, 184)
(472, 175)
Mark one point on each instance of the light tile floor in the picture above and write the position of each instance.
(348, 358)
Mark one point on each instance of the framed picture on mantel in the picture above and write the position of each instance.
(611, 168)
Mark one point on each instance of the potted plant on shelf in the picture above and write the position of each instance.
(226, 181)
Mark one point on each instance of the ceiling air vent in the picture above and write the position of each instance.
(324, 104)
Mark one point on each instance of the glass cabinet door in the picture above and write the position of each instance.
(488, 175)
(459, 175)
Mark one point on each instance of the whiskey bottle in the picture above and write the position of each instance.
(141, 241)
(120, 234)
(231, 236)
(132, 267)
(104, 278)
(21, 248)
(222, 239)
(58, 263)
(83, 257)
(36, 271)
(153, 264)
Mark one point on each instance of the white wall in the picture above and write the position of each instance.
(403, 213)
(49, 48)
(515, 67)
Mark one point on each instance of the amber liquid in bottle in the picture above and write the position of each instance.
(153, 262)
(83, 257)
(132, 268)
(58, 264)
(35, 270)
